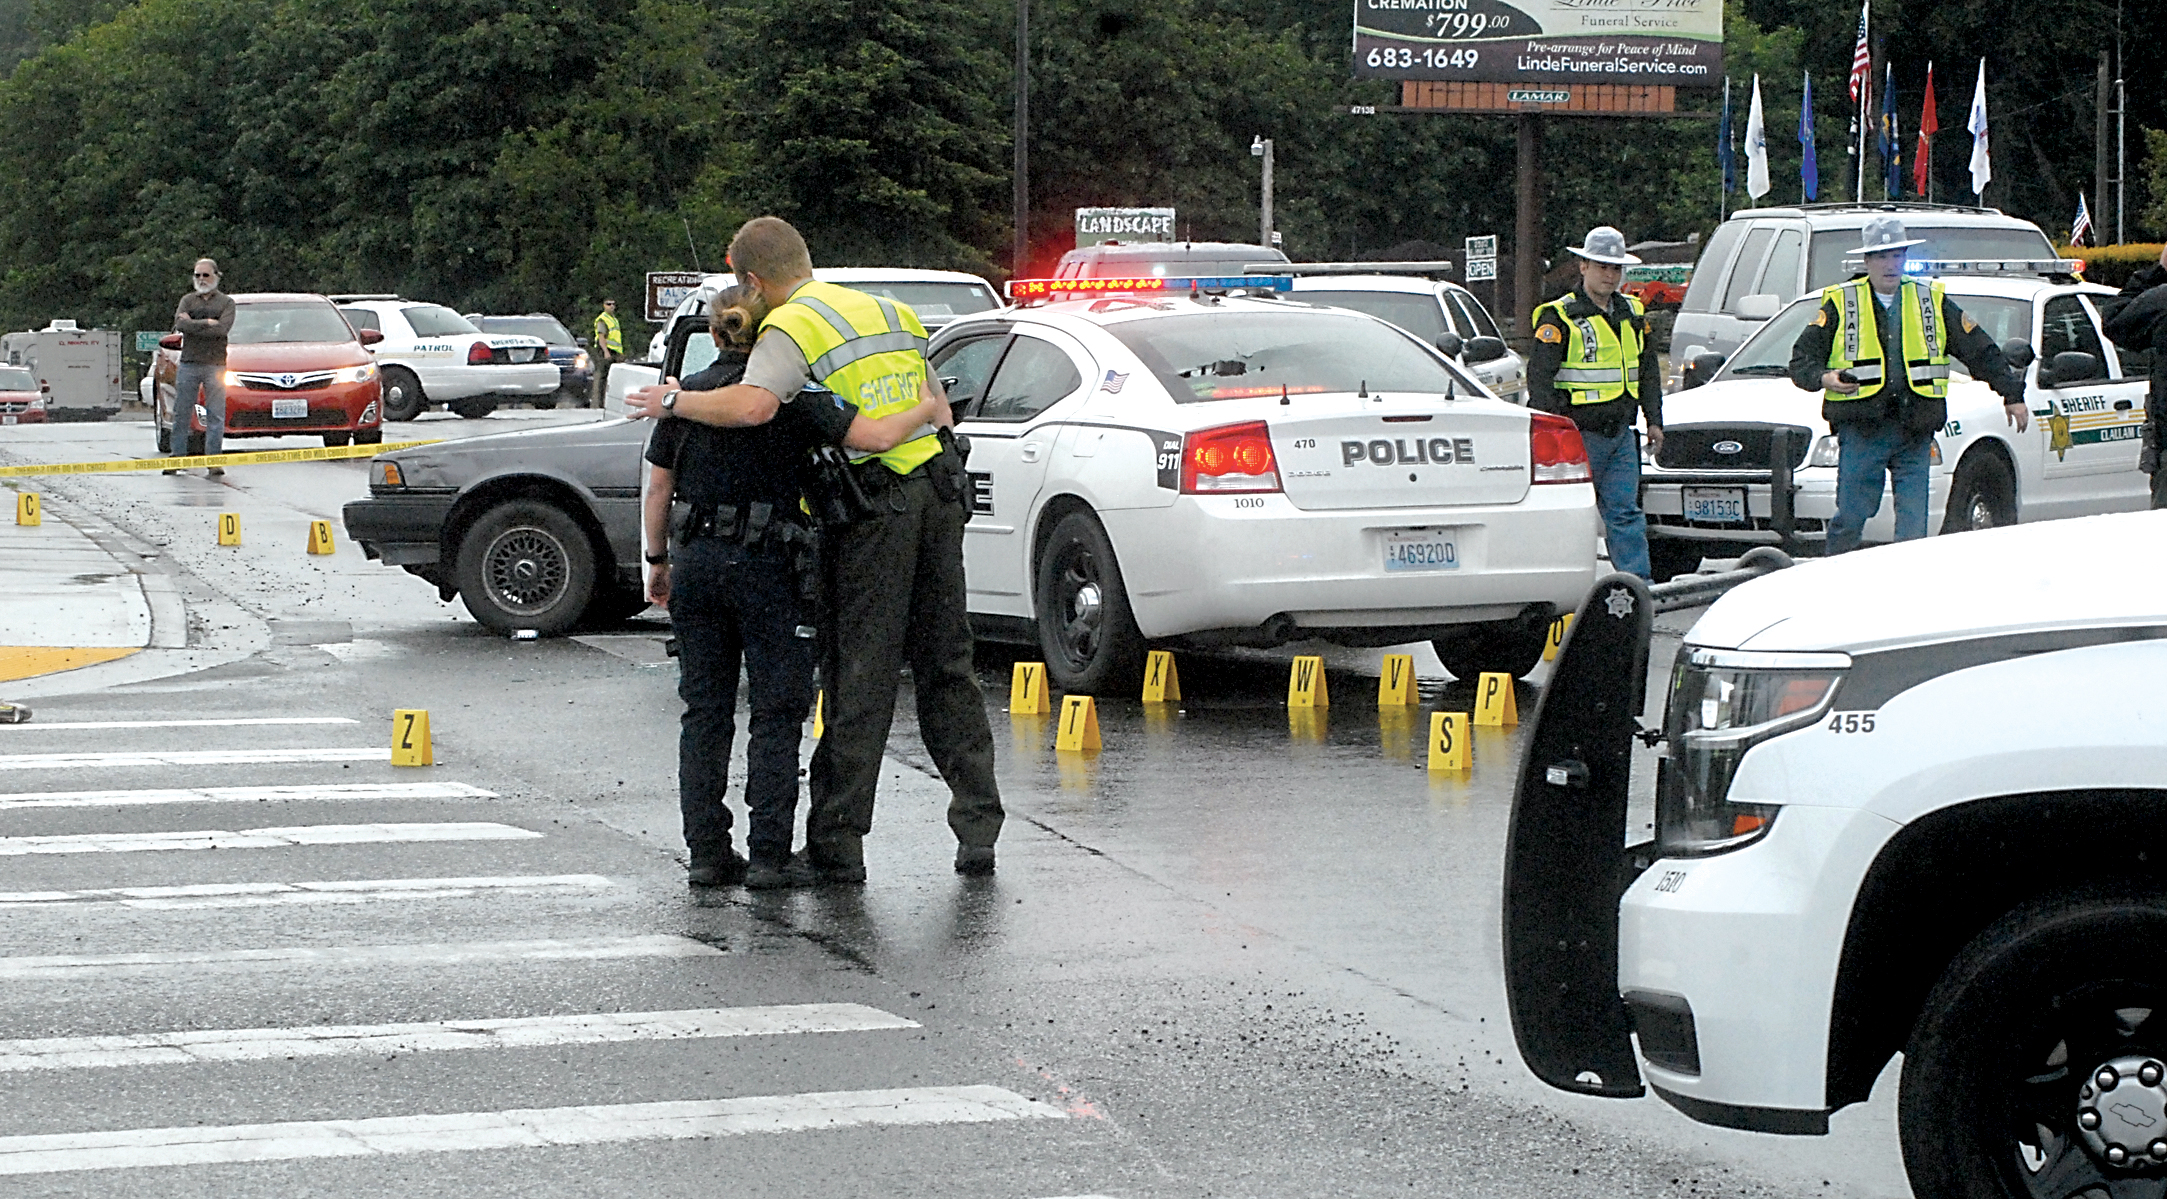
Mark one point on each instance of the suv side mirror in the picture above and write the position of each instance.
(1759, 307)
(581, 342)
(2019, 352)
(1486, 349)
(1702, 368)
(369, 337)
(171, 341)
(2071, 366)
(1450, 345)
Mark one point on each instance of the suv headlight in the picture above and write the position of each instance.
(1825, 452)
(1723, 703)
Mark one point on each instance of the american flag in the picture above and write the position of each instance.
(2082, 226)
(1862, 59)
(1113, 383)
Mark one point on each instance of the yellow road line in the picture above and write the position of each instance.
(29, 661)
(317, 454)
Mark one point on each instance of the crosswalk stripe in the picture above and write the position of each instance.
(26, 969)
(517, 1129)
(263, 838)
(238, 895)
(528, 1032)
(189, 757)
(173, 795)
(223, 722)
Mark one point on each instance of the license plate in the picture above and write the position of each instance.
(1420, 549)
(289, 409)
(1716, 505)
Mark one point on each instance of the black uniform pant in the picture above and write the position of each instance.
(897, 597)
(730, 605)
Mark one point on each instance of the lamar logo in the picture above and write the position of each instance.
(1436, 451)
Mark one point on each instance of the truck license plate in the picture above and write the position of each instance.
(1420, 549)
(289, 409)
(1715, 505)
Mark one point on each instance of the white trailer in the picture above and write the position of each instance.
(80, 366)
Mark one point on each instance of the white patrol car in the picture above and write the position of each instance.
(432, 355)
(1444, 314)
(1709, 492)
(936, 296)
(1154, 463)
(1907, 800)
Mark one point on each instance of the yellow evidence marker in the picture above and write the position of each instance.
(820, 713)
(1079, 725)
(1027, 690)
(1556, 640)
(410, 744)
(1450, 746)
(1161, 681)
(1494, 702)
(229, 528)
(1305, 683)
(319, 538)
(1396, 682)
(27, 511)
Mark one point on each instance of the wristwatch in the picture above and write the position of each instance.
(656, 559)
(669, 401)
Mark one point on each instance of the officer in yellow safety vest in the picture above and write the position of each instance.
(1878, 352)
(608, 346)
(1594, 362)
(896, 594)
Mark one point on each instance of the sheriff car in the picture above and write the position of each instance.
(1153, 461)
(1710, 491)
(1905, 800)
(432, 355)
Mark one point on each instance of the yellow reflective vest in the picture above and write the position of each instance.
(1857, 344)
(1601, 360)
(869, 350)
(608, 334)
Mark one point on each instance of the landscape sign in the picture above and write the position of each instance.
(1095, 225)
(1675, 43)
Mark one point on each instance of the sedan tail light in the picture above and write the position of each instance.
(1229, 459)
(1555, 447)
(479, 355)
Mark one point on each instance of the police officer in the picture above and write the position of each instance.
(896, 576)
(2137, 323)
(731, 583)
(608, 346)
(1594, 362)
(1878, 351)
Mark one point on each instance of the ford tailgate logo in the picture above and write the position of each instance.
(1727, 447)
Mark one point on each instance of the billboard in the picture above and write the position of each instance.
(1675, 43)
(1094, 225)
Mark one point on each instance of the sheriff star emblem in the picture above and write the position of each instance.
(1619, 602)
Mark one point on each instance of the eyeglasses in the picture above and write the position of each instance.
(206, 274)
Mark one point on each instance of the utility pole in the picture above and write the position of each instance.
(1262, 148)
(1021, 262)
(1527, 226)
(2102, 97)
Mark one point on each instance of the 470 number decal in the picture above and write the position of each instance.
(1851, 722)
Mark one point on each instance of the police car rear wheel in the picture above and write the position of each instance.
(1506, 647)
(526, 565)
(403, 398)
(2038, 1069)
(475, 407)
(1085, 627)
(1981, 497)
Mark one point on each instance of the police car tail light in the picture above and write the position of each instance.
(479, 355)
(1722, 704)
(1555, 447)
(1229, 459)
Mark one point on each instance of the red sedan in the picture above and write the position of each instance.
(22, 397)
(293, 365)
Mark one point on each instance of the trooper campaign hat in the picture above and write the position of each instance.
(1604, 244)
(1885, 233)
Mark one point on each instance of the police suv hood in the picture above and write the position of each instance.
(596, 453)
(1777, 401)
(2087, 572)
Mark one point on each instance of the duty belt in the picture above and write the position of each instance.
(750, 525)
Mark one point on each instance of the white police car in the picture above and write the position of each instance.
(432, 355)
(1709, 491)
(1433, 310)
(1154, 463)
(1908, 800)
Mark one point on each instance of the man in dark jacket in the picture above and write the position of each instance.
(1878, 352)
(204, 320)
(2137, 323)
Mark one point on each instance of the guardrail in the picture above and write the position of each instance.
(1687, 591)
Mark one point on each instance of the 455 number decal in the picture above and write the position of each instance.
(1851, 722)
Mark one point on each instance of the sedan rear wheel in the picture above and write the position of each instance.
(1085, 627)
(526, 565)
(474, 407)
(1507, 647)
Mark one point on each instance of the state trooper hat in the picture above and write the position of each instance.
(1885, 233)
(1606, 245)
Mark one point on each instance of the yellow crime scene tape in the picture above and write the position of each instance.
(258, 457)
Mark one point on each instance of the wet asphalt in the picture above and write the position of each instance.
(1240, 951)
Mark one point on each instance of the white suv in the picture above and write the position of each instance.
(1908, 800)
(432, 355)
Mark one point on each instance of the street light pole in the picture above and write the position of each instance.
(1262, 148)
(1021, 262)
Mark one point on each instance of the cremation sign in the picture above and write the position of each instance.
(1677, 43)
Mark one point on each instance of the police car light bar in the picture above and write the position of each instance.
(1994, 266)
(1438, 267)
(1042, 289)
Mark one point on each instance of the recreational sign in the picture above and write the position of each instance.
(1676, 43)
